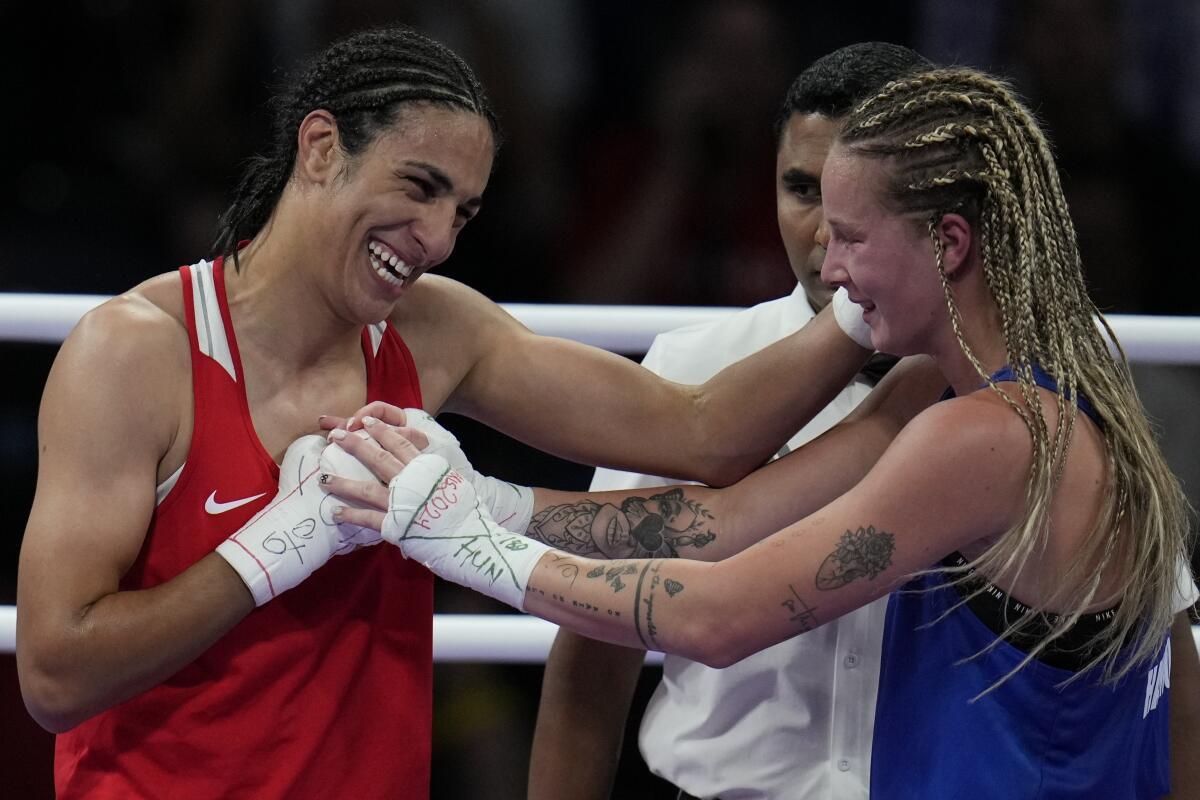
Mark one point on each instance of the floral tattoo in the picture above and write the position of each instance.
(861, 553)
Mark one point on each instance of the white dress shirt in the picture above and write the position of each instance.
(792, 721)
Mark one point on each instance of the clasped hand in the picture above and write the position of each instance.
(436, 514)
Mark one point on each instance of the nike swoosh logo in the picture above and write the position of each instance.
(213, 507)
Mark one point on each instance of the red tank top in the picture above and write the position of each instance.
(324, 692)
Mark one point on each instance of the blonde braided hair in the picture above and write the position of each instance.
(956, 140)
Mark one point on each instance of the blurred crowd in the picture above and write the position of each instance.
(637, 168)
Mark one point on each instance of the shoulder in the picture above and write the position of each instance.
(969, 445)
(129, 355)
(123, 372)
(148, 319)
(976, 425)
(436, 299)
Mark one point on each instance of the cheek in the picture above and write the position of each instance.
(798, 229)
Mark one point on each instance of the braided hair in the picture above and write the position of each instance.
(364, 80)
(956, 140)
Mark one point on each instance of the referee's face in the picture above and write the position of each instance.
(803, 147)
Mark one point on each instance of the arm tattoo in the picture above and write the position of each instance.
(648, 585)
(566, 566)
(613, 574)
(800, 612)
(864, 552)
(654, 527)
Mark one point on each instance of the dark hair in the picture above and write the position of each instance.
(364, 80)
(835, 83)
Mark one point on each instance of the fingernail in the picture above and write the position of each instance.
(337, 513)
(323, 416)
(337, 434)
(369, 420)
(350, 423)
(324, 477)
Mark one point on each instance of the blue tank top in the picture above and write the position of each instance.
(1031, 738)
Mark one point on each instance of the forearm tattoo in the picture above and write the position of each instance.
(618, 575)
(652, 588)
(800, 612)
(865, 552)
(655, 527)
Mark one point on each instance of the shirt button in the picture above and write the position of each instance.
(844, 765)
(851, 661)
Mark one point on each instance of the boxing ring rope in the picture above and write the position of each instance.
(47, 318)
(513, 638)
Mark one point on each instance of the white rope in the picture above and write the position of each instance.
(48, 318)
(457, 638)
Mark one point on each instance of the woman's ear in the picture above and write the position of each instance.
(957, 236)
(318, 156)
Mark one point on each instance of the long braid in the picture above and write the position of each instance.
(363, 80)
(959, 141)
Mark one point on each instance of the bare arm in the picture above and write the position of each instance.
(587, 688)
(1184, 710)
(910, 510)
(109, 413)
(695, 521)
(592, 406)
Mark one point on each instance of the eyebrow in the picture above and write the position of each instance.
(797, 175)
(442, 181)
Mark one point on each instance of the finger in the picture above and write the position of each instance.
(363, 493)
(400, 442)
(328, 422)
(392, 415)
(366, 517)
(381, 462)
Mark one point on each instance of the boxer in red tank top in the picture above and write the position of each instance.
(164, 669)
(359, 628)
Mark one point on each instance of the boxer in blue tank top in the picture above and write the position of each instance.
(1048, 731)
(1033, 549)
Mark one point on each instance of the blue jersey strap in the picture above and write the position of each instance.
(1042, 379)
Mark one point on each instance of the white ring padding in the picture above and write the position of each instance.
(457, 638)
(48, 318)
(8, 629)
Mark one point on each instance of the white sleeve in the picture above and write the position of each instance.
(604, 480)
(1186, 594)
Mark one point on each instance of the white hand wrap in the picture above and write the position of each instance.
(295, 534)
(509, 504)
(435, 517)
(849, 318)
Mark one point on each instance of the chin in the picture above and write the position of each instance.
(369, 311)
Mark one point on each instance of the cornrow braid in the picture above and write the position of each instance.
(956, 140)
(364, 80)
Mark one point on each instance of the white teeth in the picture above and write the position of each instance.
(382, 257)
(384, 273)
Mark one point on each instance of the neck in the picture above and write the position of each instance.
(981, 328)
(277, 305)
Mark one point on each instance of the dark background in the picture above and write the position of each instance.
(638, 168)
